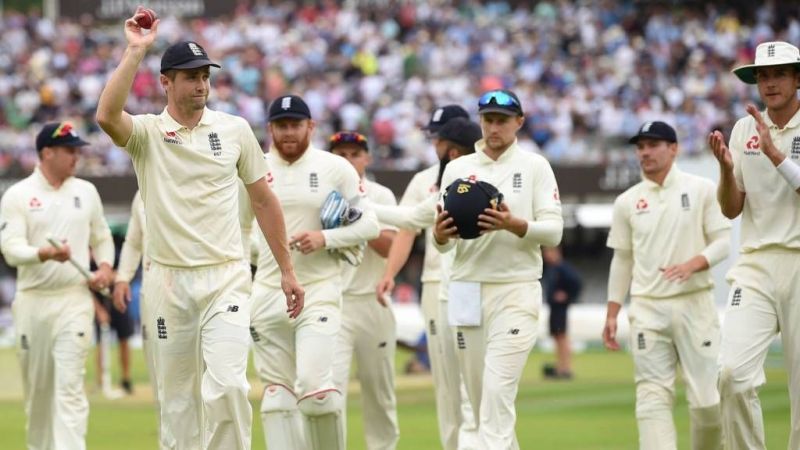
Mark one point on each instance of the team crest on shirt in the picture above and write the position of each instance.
(34, 204)
(751, 146)
(215, 144)
(516, 182)
(313, 181)
(171, 137)
(795, 148)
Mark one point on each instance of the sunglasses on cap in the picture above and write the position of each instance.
(500, 98)
(348, 137)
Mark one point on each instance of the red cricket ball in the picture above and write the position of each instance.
(146, 19)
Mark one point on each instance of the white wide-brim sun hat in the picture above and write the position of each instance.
(769, 54)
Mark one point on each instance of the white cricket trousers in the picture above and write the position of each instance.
(492, 356)
(199, 333)
(369, 333)
(296, 354)
(53, 334)
(664, 332)
(457, 428)
(764, 300)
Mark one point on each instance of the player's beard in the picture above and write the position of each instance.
(293, 150)
(443, 161)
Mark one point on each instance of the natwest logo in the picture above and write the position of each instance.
(752, 143)
(171, 137)
(641, 205)
(35, 203)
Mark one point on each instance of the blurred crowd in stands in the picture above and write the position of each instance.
(588, 72)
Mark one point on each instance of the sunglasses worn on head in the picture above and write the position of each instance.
(348, 137)
(500, 98)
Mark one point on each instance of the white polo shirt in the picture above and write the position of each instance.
(32, 210)
(302, 188)
(663, 226)
(361, 280)
(771, 214)
(246, 219)
(420, 188)
(529, 189)
(188, 181)
(134, 246)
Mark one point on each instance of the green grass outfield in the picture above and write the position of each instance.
(594, 411)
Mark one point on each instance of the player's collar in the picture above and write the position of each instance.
(669, 181)
(793, 122)
(279, 159)
(40, 178)
(170, 124)
(480, 148)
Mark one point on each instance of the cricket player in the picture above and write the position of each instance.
(294, 357)
(368, 327)
(53, 308)
(423, 189)
(494, 279)
(188, 160)
(759, 179)
(666, 233)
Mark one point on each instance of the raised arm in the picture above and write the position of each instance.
(110, 115)
(730, 198)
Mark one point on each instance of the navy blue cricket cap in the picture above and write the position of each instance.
(500, 101)
(289, 107)
(185, 55)
(58, 134)
(443, 115)
(465, 200)
(462, 132)
(657, 130)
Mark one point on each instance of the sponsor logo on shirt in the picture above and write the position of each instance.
(752, 146)
(795, 147)
(685, 201)
(77, 201)
(641, 206)
(433, 189)
(34, 204)
(171, 137)
(270, 178)
(556, 195)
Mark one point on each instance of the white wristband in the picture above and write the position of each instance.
(790, 172)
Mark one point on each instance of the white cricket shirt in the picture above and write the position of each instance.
(32, 210)
(663, 226)
(529, 189)
(420, 188)
(188, 181)
(302, 187)
(771, 214)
